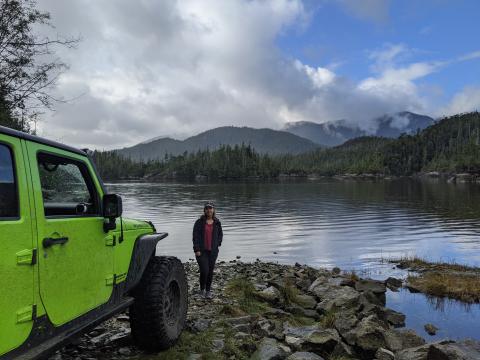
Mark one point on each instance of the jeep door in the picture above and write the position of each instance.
(75, 262)
(17, 257)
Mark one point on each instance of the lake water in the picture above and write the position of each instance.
(353, 224)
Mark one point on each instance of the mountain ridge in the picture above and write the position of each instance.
(265, 140)
(336, 132)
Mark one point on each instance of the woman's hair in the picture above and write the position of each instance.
(213, 215)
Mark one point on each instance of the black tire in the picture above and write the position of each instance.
(159, 313)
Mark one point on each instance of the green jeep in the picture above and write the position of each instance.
(68, 260)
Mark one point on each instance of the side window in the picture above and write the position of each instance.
(8, 186)
(67, 188)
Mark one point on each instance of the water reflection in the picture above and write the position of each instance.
(323, 223)
(455, 320)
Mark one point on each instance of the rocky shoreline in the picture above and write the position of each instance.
(271, 311)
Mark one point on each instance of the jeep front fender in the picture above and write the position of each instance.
(143, 250)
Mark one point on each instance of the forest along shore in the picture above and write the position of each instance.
(267, 310)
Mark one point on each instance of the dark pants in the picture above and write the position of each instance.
(206, 263)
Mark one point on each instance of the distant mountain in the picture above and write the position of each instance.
(265, 141)
(334, 133)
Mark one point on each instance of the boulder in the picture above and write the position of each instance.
(384, 354)
(402, 339)
(345, 321)
(393, 283)
(270, 349)
(374, 286)
(323, 341)
(368, 335)
(303, 355)
(270, 294)
(430, 329)
(338, 297)
(306, 301)
(463, 350)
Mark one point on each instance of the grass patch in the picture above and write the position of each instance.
(420, 264)
(200, 343)
(231, 311)
(288, 292)
(328, 320)
(455, 285)
(442, 279)
(351, 275)
(242, 289)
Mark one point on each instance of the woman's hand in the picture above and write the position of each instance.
(197, 253)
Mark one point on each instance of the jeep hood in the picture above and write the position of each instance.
(132, 224)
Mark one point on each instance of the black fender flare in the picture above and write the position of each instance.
(143, 250)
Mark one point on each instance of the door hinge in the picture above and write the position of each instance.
(28, 313)
(110, 280)
(113, 279)
(111, 240)
(27, 257)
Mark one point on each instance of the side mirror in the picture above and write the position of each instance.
(112, 208)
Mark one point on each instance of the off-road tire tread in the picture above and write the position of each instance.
(149, 331)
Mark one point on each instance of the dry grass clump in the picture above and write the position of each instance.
(288, 292)
(464, 287)
(420, 264)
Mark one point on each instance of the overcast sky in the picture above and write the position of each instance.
(154, 68)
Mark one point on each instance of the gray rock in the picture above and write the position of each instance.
(368, 335)
(241, 335)
(344, 322)
(414, 353)
(270, 349)
(200, 325)
(264, 327)
(299, 331)
(304, 355)
(294, 341)
(124, 351)
(319, 281)
(194, 356)
(463, 350)
(296, 336)
(374, 286)
(336, 298)
(393, 283)
(373, 298)
(306, 301)
(242, 328)
(270, 294)
(402, 339)
(395, 318)
(275, 312)
(298, 310)
(323, 341)
(218, 345)
(384, 354)
(239, 320)
(430, 329)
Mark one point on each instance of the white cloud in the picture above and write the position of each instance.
(466, 100)
(176, 68)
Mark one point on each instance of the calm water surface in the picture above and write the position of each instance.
(350, 224)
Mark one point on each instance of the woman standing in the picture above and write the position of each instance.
(207, 237)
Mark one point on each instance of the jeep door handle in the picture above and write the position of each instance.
(47, 242)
